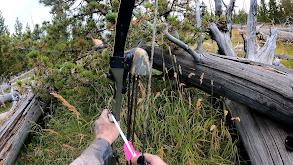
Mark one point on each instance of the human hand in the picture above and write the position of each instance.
(105, 129)
(151, 159)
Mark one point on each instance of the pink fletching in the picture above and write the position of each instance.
(128, 155)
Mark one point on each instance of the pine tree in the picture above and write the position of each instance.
(18, 28)
(287, 6)
(3, 28)
(262, 12)
(274, 12)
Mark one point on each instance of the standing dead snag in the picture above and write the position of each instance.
(266, 53)
(251, 29)
(218, 7)
(221, 30)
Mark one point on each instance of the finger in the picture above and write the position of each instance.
(134, 159)
(105, 113)
(153, 159)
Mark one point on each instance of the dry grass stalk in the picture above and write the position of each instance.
(212, 127)
(142, 90)
(181, 84)
(225, 112)
(180, 70)
(236, 118)
(157, 95)
(65, 103)
(161, 151)
(68, 147)
(201, 77)
(79, 145)
(52, 131)
(175, 75)
(189, 101)
(190, 75)
(175, 59)
(198, 104)
(2, 102)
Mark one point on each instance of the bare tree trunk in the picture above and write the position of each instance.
(8, 97)
(198, 24)
(223, 40)
(218, 7)
(266, 53)
(251, 29)
(222, 33)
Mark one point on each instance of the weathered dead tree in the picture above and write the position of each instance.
(284, 56)
(221, 30)
(266, 88)
(263, 137)
(8, 97)
(15, 129)
(251, 30)
(282, 35)
(285, 30)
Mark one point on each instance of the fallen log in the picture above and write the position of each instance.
(286, 29)
(8, 97)
(266, 88)
(282, 35)
(263, 139)
(15, 129)
(283, 56)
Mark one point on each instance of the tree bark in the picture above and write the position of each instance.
(266, 53)
(282, 35)
(262, 137)
(251, 29)
(15, 130)
(8, 97)
(265, 88)
(223, 40)
(218, 8)
(221, 32)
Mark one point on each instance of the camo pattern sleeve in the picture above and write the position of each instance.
(96, 154)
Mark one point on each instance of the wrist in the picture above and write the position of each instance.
(105, 138)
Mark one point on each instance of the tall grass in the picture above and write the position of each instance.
(181, 129)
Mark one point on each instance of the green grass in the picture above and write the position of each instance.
(178, 131)
(6, 108)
